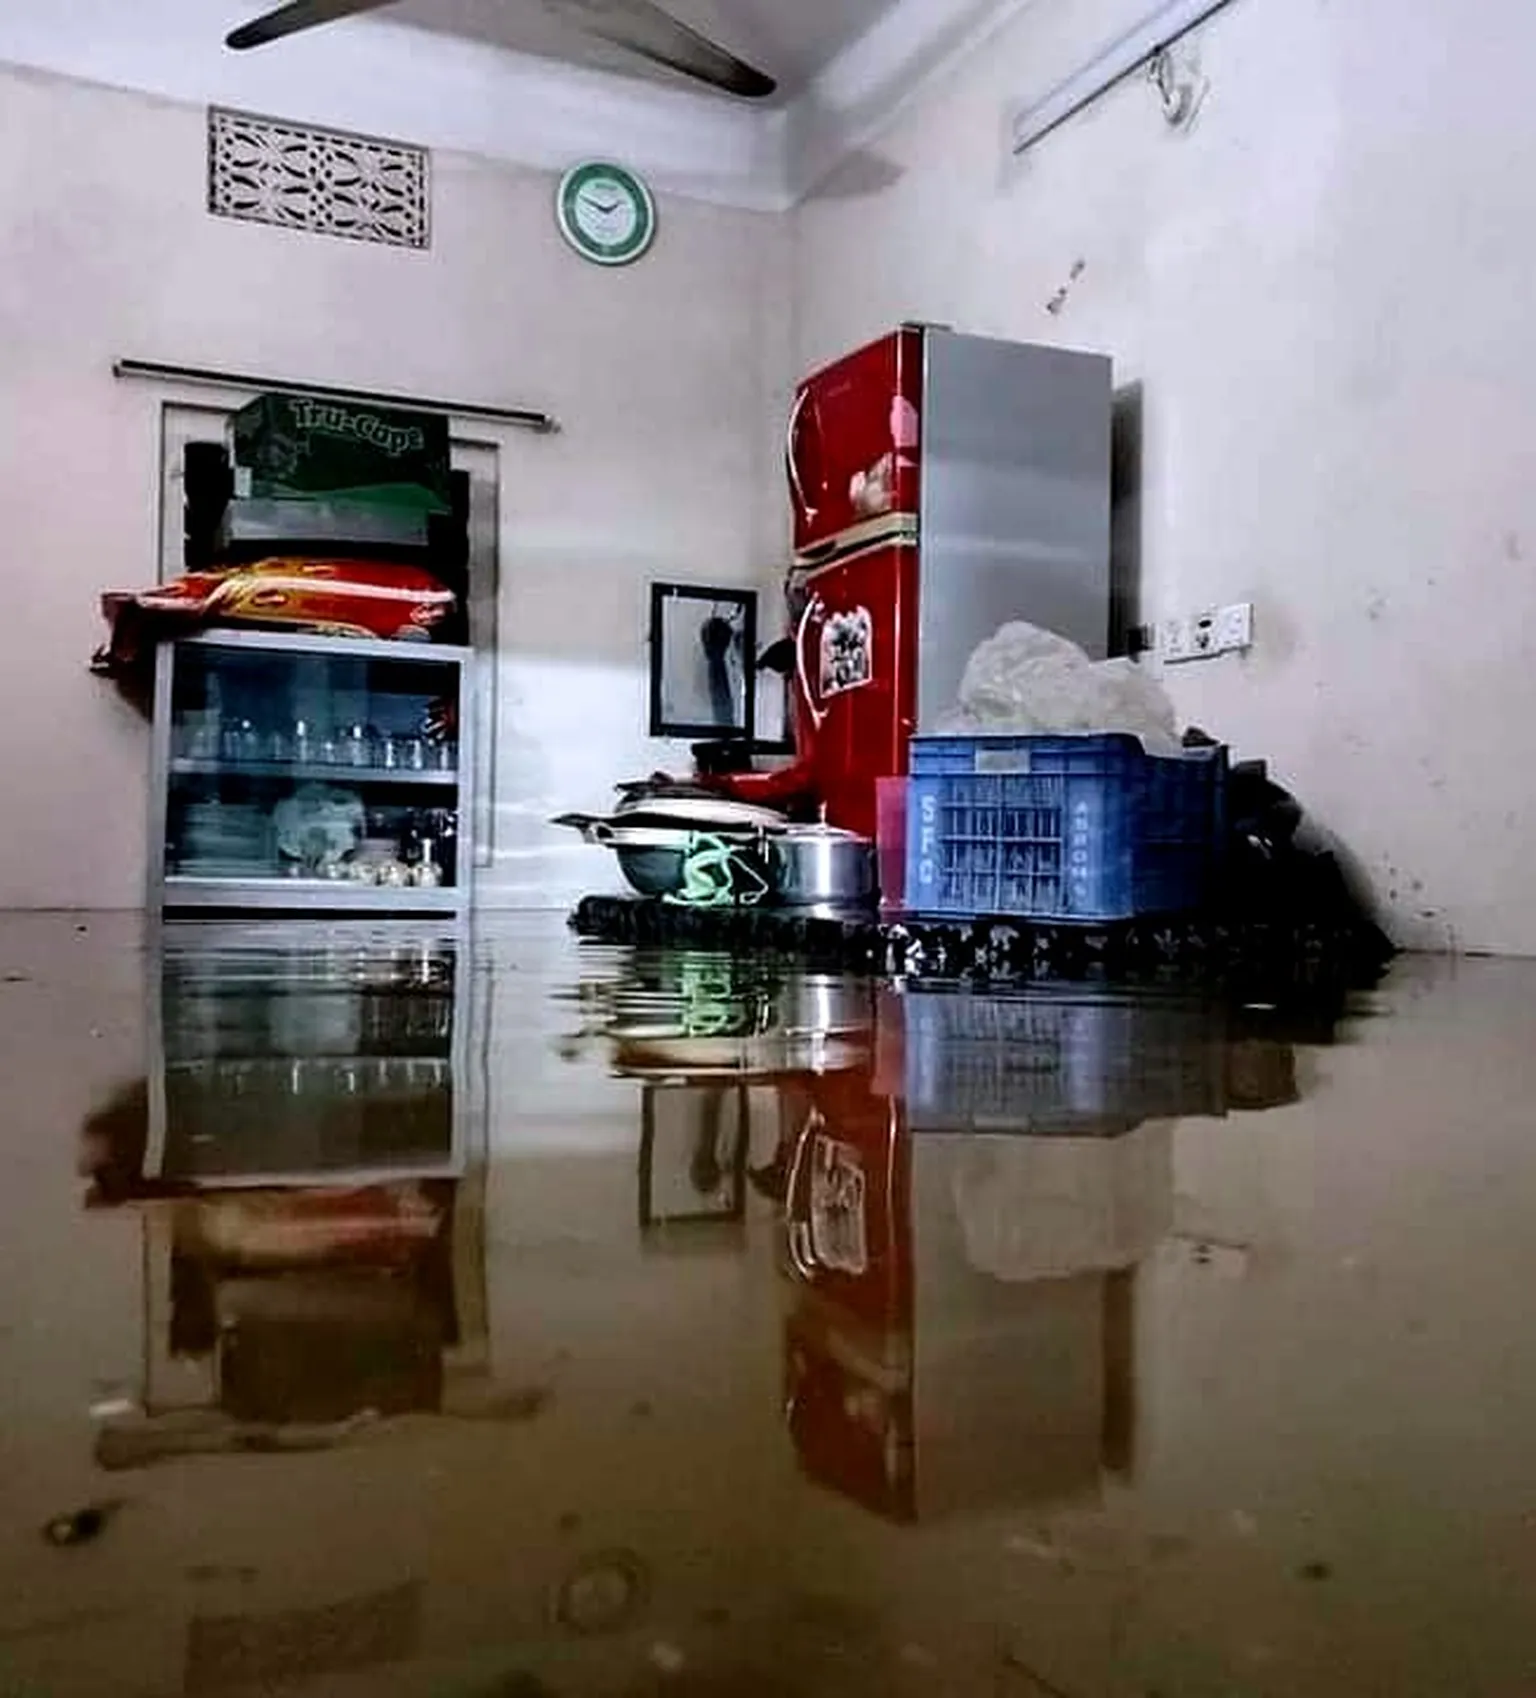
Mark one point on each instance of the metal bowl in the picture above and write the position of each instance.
(652, 872)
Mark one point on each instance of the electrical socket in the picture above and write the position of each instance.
(1233, 627)
(1218, 630)
(1176, 640)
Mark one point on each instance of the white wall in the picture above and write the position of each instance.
(1322, 291)
(665, 378)
(1325, 291)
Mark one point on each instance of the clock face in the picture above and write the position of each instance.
(606, 213)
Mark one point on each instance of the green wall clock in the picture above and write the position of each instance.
(606, 213)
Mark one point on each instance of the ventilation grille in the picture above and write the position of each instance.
(324, 181)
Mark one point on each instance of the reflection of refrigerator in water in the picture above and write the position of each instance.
(931, 1368)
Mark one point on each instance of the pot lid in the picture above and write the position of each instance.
(718, 811)
(623, 835)
(821, 832)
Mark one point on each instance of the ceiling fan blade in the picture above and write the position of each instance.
(644, 28)
(299, 15)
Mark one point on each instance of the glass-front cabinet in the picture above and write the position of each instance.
(310, 773)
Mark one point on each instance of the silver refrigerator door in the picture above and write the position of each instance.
(1014, 504)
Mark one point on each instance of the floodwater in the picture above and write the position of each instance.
(389, 1313)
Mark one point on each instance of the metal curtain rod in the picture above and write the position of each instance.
(1168, 22)
(524, 418)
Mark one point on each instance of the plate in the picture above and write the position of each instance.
(645, 837)
(717, 811)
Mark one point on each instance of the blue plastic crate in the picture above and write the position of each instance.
(1073, 1063)
(1061, 828)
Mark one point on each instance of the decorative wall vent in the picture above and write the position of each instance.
(268, 171)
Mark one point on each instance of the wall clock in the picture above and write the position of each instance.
(606, 213)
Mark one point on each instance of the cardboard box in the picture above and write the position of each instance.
(295, 448)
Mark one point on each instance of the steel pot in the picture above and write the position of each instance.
(816, 867)
(822, 1005)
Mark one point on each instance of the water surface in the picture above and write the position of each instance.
(390, 1312)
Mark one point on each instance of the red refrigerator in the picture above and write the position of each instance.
(941, 485)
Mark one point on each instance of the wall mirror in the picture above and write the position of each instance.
(703, 661)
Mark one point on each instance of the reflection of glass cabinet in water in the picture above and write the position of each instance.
(316, 1149)
(287, 1053)
(310, 773)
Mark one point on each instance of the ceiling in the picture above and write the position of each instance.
(790, 39)
(501, 80)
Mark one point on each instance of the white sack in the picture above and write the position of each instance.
(1029, 681)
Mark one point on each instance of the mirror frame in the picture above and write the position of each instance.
(661, 596)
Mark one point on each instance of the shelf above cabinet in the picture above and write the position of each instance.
(328, 647)
(310, 772)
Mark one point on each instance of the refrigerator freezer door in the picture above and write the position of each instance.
(1015, 501)
(847, 1247)
(852, 450)
(846, 1224)
(857, 663)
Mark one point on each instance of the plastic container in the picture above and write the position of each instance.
(1072, 1065)
(891, 842)
(1061, 828)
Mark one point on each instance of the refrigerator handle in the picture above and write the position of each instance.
(814, 608)
(798, 1238)
(791, 464)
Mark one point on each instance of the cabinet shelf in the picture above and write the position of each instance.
(312, 1075)
(320, 895)
(310, 772)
